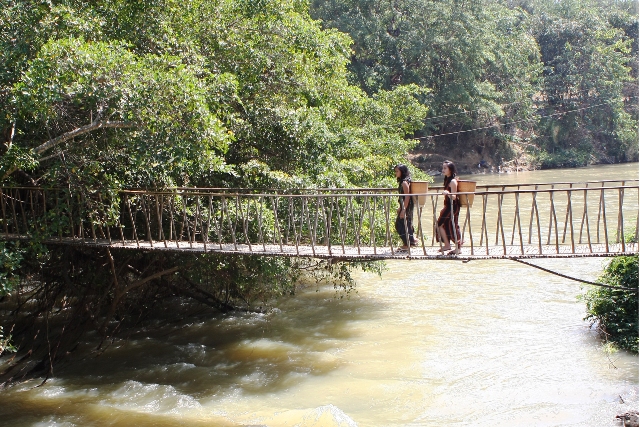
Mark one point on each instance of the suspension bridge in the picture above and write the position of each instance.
(538, 220)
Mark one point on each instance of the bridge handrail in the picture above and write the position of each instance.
(371, 190)
(393, 189)
(175, 218)
(392, 193)
(386, 194)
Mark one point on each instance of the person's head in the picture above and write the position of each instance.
(402, 172)
(449, 169)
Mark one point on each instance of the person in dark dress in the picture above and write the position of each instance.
(447, 226)
(404, 216)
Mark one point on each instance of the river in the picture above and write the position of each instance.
(429, 343)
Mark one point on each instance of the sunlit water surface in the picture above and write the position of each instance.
(430, 343)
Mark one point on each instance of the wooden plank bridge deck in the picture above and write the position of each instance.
(354, 253)
(514, 222)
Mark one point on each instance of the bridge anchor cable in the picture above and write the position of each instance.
(573, 278)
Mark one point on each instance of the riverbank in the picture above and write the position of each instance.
(472, 164)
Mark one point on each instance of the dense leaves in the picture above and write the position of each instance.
(615, 311)
(587, 63)
(548, 83)
(162, 93)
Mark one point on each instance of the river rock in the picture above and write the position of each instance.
(629, 419)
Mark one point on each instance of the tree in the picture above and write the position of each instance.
(103, 95)
(586, 66)
(199, 100)
(477, 58)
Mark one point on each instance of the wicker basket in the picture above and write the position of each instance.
(466, 187)
(420, 188)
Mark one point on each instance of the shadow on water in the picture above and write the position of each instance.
(172, 370)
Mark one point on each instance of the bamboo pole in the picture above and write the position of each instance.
(515, 214)
(484, 234)
(554, 218)
(133, 224)
(219, 224)
(245, 225)
(453, 224)
(519, 223)
(358, 234)
(566, 218)
(146, 213)
(276, 223)
(434, 204)
(205, 238)
(586, 218)
(226, 214)
(387, 208)
(570, 212)
(535, 200)
(604, 220)
(621, 216)
(340, 226)
(173, 230)
(372, 219)
(599, 212)
(161, 235)
(501, 225)
(470, 232)
(70, 212)
(295, 229)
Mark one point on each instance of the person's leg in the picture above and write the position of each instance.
(401, 231)
(410, 229)
(444, 238)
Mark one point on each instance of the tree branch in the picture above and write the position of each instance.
(96, 124)
(80, 131)
(139, 283)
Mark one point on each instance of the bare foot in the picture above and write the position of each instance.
(443, 249)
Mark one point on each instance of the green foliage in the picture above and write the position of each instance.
(203, 93)
(565, 158)
(476, 57)
(164, 104)
(5, 343)
(631, 236)
(493, 63)
(616, 310)
(11, 256)
(586, 62)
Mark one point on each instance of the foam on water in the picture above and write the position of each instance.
(151, 398)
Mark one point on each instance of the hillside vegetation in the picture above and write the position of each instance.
(536, 83)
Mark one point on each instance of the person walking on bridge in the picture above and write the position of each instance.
(448, 228)
(404, 216)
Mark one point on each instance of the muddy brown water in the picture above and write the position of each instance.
(430, 343)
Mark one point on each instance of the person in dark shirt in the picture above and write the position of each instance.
(404, 216)
(446, 225)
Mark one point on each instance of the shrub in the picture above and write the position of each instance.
(616, 310)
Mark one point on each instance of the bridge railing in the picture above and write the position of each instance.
(560, 218)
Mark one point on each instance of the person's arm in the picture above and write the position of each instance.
(407, 199)
(454, 188)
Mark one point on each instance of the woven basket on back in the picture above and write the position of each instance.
(420, 188)
(466, 187)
